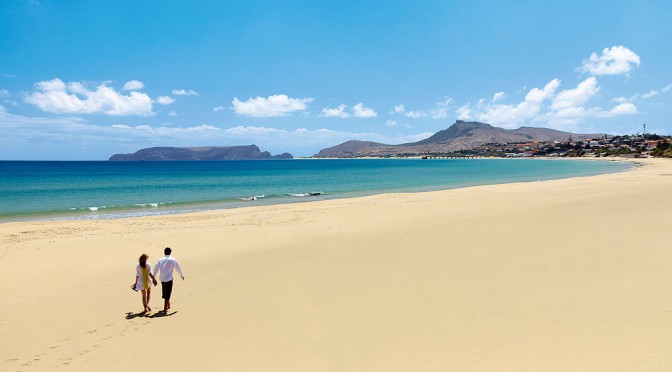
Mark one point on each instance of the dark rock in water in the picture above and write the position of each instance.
(250, 152)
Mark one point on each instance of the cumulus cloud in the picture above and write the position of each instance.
(172, 113)
(570, 98)
(391, 123)
(165, 100)
(464, 112)
(218, 108)
(507, 115)
(562, 110)
(616, 60)
(398, 109)
(75, 98)
(133, 85)
(183, 92)
(625, 108)
(439, 111)
(271, 106)
(359, 111)
(335, 112)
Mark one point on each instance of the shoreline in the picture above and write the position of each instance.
(568, 274)
(105, 212)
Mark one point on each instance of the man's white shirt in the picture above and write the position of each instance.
(166, 265)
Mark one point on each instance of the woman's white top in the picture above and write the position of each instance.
(141, 283)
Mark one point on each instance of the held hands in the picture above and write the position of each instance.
(155, 282)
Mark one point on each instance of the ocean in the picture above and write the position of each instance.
(37, 190)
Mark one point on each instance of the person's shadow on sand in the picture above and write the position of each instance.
(161, 314)
(145, 314)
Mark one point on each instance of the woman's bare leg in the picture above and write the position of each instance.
(144, 300)
(149, 295)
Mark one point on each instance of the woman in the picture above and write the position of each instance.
(142, 274)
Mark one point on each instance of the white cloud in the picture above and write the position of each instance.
(417, 114)
(75, 138)
(439, 111)
(182, 92)
(133, 85)
(275, 105)
(4, 93)
(398, 109)
(359, 111)
(498, 96)
(650, 94)
(165, 100)
(391, 123)
(616, 60)
(74, 98)
(564, 110)
(337, 112)
(654, 92)
(172, 113)
(218, 108)
(626, 108)
(510, 116)
(578, 96)
(464, 112)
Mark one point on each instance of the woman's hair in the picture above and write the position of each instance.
(143, 260)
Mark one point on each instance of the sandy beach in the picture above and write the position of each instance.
(564, 275)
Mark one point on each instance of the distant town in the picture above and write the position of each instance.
(627, 146)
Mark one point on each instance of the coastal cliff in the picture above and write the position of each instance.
(250, 152)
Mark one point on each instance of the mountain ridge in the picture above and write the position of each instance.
(462, 135)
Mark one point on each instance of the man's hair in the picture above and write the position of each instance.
(167, 251)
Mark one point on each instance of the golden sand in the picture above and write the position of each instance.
(566, 275)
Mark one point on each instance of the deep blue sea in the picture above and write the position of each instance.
(33, 190)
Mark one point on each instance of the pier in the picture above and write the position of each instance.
(449, 157)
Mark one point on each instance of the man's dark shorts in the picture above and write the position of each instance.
(166, 289)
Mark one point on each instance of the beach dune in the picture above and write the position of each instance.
(563, 275)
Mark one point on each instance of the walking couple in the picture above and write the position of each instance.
(164, 267)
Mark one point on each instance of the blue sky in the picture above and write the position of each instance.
(87, 79)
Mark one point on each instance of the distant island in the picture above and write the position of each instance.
(469, 139)
(250, 152)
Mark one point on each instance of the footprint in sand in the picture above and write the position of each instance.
(11, 360)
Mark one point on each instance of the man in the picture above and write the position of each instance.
(166, 265)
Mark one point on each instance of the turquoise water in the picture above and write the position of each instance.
(90, 190)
